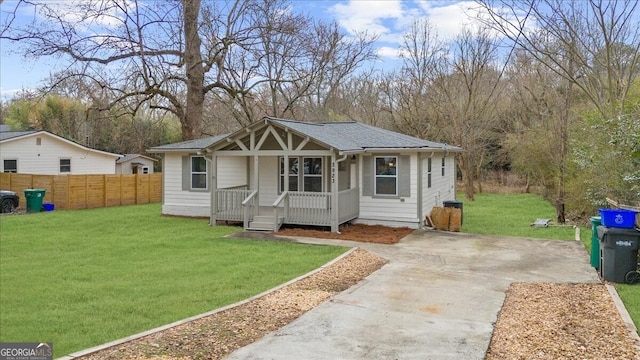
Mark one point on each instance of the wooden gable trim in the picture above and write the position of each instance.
(265, 135)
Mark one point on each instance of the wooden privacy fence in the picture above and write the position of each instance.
(72, 192)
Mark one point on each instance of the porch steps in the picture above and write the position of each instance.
(261, 223)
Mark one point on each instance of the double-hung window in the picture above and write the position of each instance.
(292, 174)
(429, 172)
(65, 165)
(386, 178)
(311, 179)
(10, 166)
(198, 172)
(443, 166)
(312, 174)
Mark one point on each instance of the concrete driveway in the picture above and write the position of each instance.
(437, 298)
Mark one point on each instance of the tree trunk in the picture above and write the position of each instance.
(467, 177)
(192, 121)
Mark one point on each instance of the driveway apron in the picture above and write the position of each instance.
(437, 298)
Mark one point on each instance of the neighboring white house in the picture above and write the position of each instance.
(276, 172)
(135, 164)
(41, 152)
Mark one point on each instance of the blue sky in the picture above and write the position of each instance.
(389, 19)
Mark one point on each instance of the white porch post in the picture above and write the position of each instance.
(334, 194)
(256, 178)
(213, 188)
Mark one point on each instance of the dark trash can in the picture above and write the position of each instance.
(619, 254)
(34, 199)
(457, 205)
(595, 242)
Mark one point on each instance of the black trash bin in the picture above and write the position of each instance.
(619, 254)
(455, 204)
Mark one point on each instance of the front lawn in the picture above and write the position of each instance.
(512, 215)
(82, 278)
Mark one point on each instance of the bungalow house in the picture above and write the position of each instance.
(277, 171)
(42, 152)
(135, 164)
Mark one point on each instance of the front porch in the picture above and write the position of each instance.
(291, 207)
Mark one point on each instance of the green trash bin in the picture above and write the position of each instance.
(595, 242)
(34, 199)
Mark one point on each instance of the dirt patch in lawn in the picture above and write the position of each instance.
(355, 232)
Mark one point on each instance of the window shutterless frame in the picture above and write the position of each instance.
(199, 173)
(386, 176)
(65, 165)
(10, 166)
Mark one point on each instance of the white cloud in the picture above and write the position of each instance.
(86, 13)
(360, 16)
(389, 52)
(390, 20)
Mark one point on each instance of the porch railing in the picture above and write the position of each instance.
(302, 208)
(229, 203)
(309, 208)
(277, 220)
(250, 205)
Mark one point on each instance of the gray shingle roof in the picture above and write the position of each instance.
(354, 136)
(128, 157)
(197, 144)
(6, 135)
(348, 136)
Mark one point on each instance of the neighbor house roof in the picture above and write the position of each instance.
(7, 136)
(189, 145)
(129, 157)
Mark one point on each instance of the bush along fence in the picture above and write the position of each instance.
(73, 192)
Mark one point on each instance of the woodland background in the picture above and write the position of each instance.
(552, 108)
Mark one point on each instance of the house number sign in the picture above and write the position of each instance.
(333, 172)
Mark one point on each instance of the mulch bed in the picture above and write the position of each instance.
(355, 232)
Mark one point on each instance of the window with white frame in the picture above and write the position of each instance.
(145, 169)
(311, 179)
(428, 172)
(386, 176)
(312, 174)
(10, 166)
(198, 172)
(292, 174)
(65, 165)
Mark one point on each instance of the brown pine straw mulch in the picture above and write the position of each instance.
(560, 321)
(355, 232)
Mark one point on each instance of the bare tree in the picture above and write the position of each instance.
(600, 37)
(424, 60)
(465, 100)
(593, 46)
(170, 55)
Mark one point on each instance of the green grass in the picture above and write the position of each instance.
(82, 278)
(512, 214)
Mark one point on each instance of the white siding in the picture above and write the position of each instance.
(45, 158)
(269, 173)
(176, 201)
(232, 171)
(392, 211)
(442, 187)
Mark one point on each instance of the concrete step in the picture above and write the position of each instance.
(260, 225)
